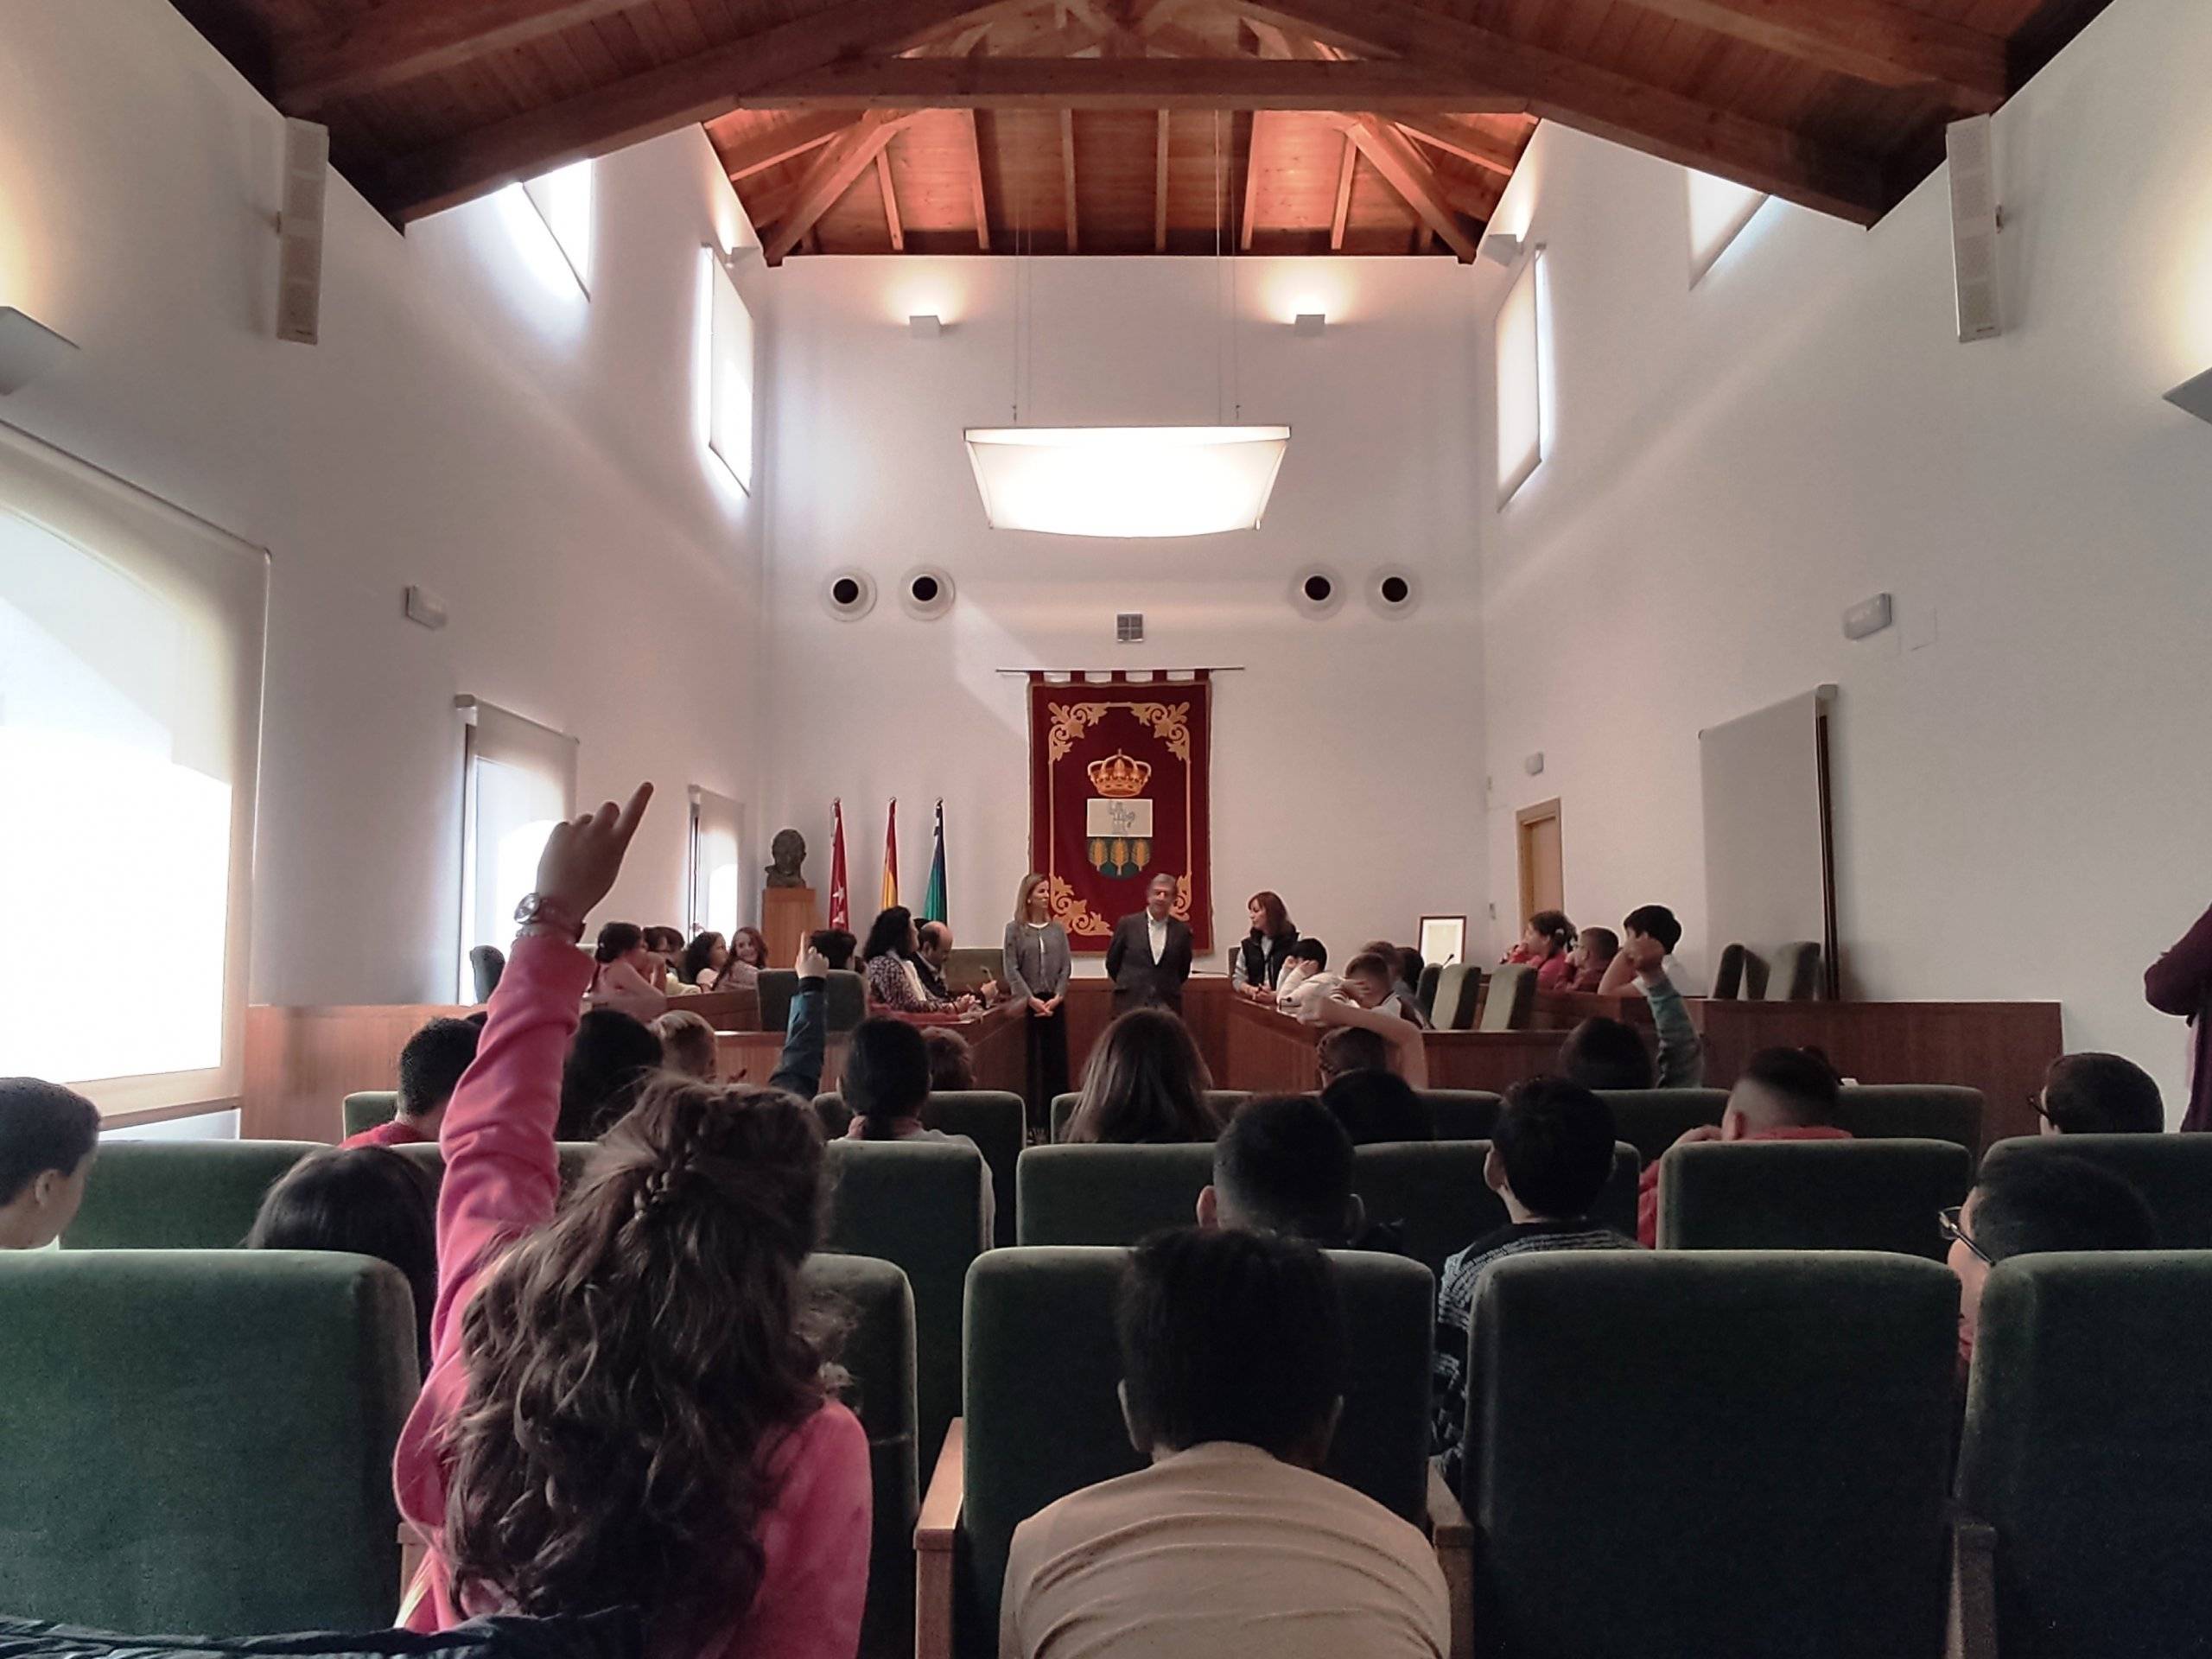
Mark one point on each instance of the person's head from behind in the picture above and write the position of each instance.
(747, 945)
(1265, 910)
(1781, 1088)
(671, 1274)
(622, 942)
(886, 1076)
(1283, 1165)
(934, 943)
(836, 946)
(666, 943)
(1350, 1048)
(48, 1135)
(1653, 922)
(1603, 1053)
(1546, 934)
(365, 1200)
(1160, 896)
(1594, 947)
(2025, 1206)
(2099, 1094)
(892, 934)
(1235, 1337)
(1145, 1081)
(1370, 977)
(608, 1059)
(687, 1044)
(709, 950)
(952, 1064)
(1410, 966)
(1552, 1152)
(430, 1067)
(1375, 1105)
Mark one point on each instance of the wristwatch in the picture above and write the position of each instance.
(537, 911)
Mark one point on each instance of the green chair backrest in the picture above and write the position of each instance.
(1462, 1114)
(1434, 1191)
(573, 1156)
(917, 1204)
(2173, 1171)
(1913, 1111)
(843, 997)
(178, 1195)
(993, 1119)
(1652, 1120)
(1043, 1419)
(201, 1440)
(1811, 1195)
(1107, 1194)
(1223, 1100)
(367, 1109)
(1511, 998)
(1425, 992)
(877, 1352)
(2086, 1448)
(1793, 973)
(1712, 1454)
(1728, 974)
(1457, 987)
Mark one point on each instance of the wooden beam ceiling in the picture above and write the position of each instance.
(758, 150)
(401, 40)
(890, 200)
(975, 182)
(1132, 83)
(1159, 186)
(1067, 176)
(1345, 169)
(1456, 137)
(1392, 155)
(832, 174)
(1876, 41)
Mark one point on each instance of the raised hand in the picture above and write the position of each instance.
(811, 963)
(1645, 954)
(583, 856)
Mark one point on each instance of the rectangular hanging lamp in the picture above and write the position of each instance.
(1125, 481)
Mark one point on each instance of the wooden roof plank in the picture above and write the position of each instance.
(403, 40)
(1131, 83)
(834, 172)
(1877, 40)
(1394, 158)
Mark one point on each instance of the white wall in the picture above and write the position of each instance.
(1347, 758)
(532, 459)
(2022, 768)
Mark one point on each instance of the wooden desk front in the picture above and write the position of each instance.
(1270, 1052)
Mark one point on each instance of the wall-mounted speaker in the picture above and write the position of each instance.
(299, 232)
(1393, 591)
(848, 595)
(927, 593)
(1316, 591)
(1972, 150)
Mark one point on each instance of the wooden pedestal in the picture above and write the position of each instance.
(787, 915)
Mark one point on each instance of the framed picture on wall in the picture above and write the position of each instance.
(1443, 939)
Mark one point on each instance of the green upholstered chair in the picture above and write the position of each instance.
(1457, 989)
(178, 1195)
(918, 1203)
(1793, 972)
(2173, 1171)
(844, 998)
(1652, 1120)
(1223, 1100)
(1911, 1110)
(1425, 992)
(572, 1155)
(877, 1352)
(2086, 1468)
(1510, 998)
(1434, 1192)
(201, 1440)
(1728, 974)
(1107, 1195)
(1708, 1454)
(1042, 1418)
(994, 1120)
(1811, 1195)
(366, 1108)
(1462, 1114)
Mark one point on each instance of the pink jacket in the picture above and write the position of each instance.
(502, 1180)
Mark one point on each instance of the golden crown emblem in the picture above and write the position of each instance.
(1117, 775)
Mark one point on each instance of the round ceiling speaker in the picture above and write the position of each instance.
(1391, 591)
(927, 593)
(1316, 591)
(848, 595)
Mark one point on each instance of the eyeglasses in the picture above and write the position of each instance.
(1947, 1222)
(2036, 1105)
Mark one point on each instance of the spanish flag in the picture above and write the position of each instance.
(840, 911)
(891, 856)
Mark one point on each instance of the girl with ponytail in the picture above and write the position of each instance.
(625, 1405)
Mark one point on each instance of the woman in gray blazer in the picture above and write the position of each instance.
(1038, 967)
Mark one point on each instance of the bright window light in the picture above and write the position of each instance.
(714, 862)
(1719, 212)
(1521, 418)
(519, 779)
(729, 370)
(1125, 481)
(562, 199)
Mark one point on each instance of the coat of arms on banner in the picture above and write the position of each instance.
(1118, 819)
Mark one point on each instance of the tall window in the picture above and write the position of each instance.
(729, 369)
(561, 203)
(130, 648)
(1521, 389)
(714, 862)
(519, 780)
(1719, 212)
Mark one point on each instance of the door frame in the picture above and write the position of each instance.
(1521, 820)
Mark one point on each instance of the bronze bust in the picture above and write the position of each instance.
(789, 851)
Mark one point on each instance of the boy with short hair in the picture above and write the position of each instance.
(2099, 1094)
(429, 1069)
(48, 1137)
(1369, 997)
(1284, 1164)
(1785, 1094)
(1656, 923)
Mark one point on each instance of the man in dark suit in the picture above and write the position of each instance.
(1150, 955)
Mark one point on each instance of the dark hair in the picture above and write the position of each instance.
(617, 939)
(1410, 965)
(951, 1066)
(663, 940)
(1603, 942)
(1145, 1081)
(42, 1127)
(367, 1200)
(1554, 926)
(1603, 1053)
(1286, 1163)
(608, 1059)
(699, 956)
(1801, 1078)
(887, 1074)
(1311, 949)
(836, 945)
(630, 1362)
(2102, 1094)
(887, 938)
(1231, 1336)
(929, 931)
(1556, 1139)
(1369, 964)
(1375, 1105)
(1350, 1048)
(1657, 921)
(431, 1064)
(1275, 920)
(2028, 1205)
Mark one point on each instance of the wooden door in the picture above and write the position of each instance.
(1543, 882)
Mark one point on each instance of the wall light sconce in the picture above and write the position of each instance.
(925, 326)
(2195, 396)
(1308, 325)
(1502, 248)
(27, 349)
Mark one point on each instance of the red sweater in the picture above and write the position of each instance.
(501, 1180)
(397, 1133)
(1647, 1192)
(2181, 982)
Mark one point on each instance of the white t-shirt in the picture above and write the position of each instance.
(1305, 998)
(1155, 930)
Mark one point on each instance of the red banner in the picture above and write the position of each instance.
(1118, 793)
